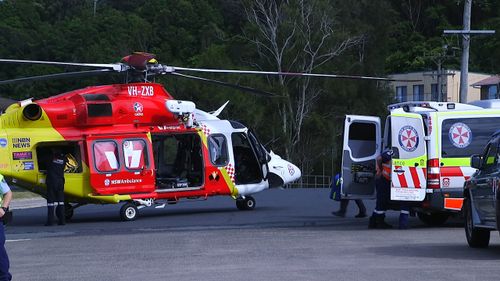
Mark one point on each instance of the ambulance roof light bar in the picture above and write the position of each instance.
(431, 106)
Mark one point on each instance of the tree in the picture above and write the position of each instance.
(296, 36)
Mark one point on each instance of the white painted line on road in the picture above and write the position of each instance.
(17, 240)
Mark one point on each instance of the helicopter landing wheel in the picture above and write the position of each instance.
(68, 211)
(245, 204)
(128, 212)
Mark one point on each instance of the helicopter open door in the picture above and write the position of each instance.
(120, 164)
(250, 160)
(362, 142)
(409, 160)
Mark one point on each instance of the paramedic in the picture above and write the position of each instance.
(5, 198)
(345, 202)
(383, 188)
(55, 188)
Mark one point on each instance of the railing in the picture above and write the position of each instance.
(311, 181)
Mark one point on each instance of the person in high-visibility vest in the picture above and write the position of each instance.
(5, 198)
(383, 188)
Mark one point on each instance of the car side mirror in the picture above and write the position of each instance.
(475, 161)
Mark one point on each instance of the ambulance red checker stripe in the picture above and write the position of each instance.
(409, 176)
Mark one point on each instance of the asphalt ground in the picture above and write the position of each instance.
(291, 235)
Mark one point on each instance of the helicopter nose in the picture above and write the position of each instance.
(282, 172)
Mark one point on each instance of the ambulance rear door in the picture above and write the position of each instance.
(409, 161)
(362, 141)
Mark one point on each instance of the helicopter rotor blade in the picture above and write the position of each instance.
(243, 88)
(119, 67)
(57, 76)
(232, 71)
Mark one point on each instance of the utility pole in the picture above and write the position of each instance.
(464, 65)
(438, 57)
(466, 32)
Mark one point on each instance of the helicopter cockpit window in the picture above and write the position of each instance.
(106, 156)
(135, 154)
(217, 145)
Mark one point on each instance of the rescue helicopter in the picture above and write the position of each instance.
(133, 143)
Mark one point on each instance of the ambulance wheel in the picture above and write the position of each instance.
(245, 204)
(476, 237)
(128, 212)
(433, 219)
(68, 211)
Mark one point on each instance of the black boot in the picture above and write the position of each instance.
(50, 216)
(381, 224)
(60, 212)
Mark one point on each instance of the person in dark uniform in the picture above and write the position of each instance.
(345, 202)
(55, 188)
(383, 188)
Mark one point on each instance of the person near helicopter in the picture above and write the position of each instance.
(55, 188)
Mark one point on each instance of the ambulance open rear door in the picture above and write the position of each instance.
(362, 141)
(409, 161)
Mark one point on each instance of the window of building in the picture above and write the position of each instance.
(401, 94)
(492, 91)
(434, 92)
(418, 92)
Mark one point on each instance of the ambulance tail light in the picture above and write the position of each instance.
(433, 174)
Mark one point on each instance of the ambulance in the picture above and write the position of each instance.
(431, 142)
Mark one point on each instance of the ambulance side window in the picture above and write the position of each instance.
(362, 139)
(462, 137)
(217, 146)
(106, 156)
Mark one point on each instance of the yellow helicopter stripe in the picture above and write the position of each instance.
(229, 182)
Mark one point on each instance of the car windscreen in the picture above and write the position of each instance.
(462, 137)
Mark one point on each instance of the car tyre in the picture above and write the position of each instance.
(476, 237)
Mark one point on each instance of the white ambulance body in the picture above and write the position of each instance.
(432, 144)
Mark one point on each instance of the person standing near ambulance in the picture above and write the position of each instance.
(55, 188)
(5, 198)
(383, 188)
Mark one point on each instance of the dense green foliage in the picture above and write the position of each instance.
(393, 36)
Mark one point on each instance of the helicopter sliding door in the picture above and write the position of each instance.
(178, 161)
(120, 164)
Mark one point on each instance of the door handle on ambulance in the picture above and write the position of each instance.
(399, 171)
